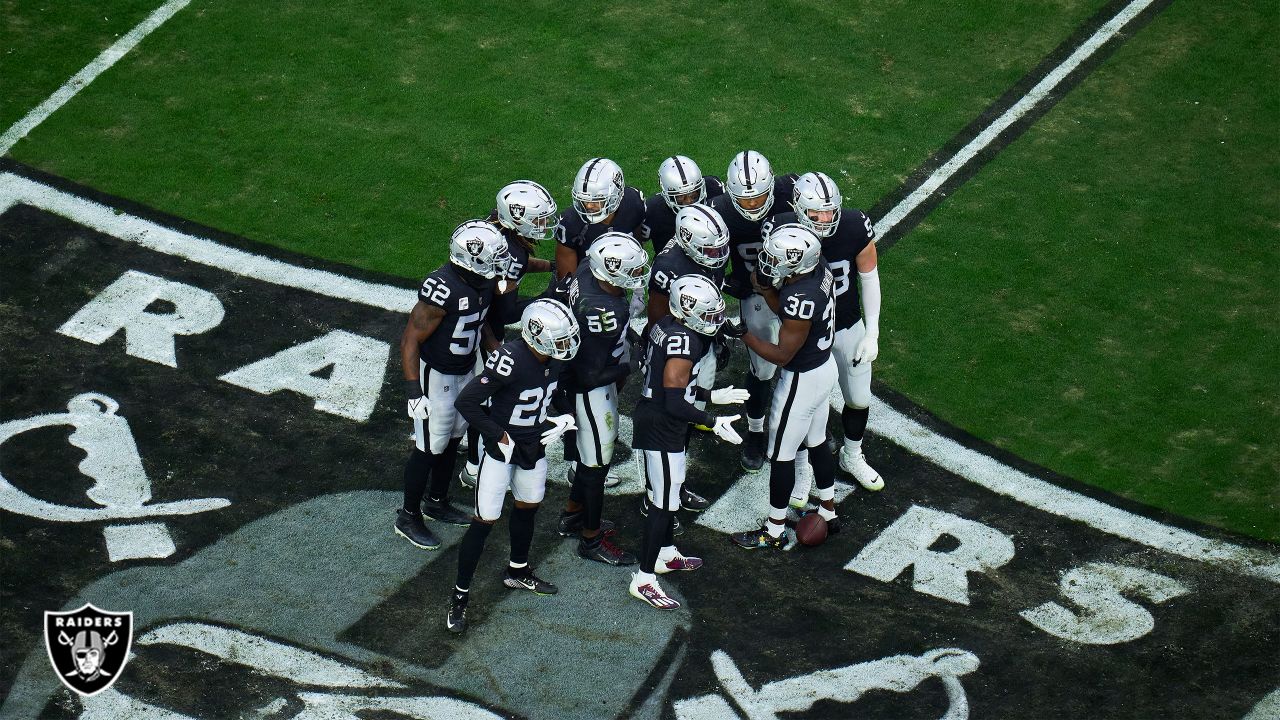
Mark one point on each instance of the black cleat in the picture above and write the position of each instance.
(524, 579)
(754, 539)
(753, 451)
(691, 500)
(676, 527)
(603, 551)
(411, 528)
(456, 621)
(571, 524)
(442, 511)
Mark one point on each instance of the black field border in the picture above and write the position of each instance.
(890, 396)
(1016, 130)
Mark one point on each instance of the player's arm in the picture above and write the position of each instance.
(423, 321)
(790, 339)
(489, 339)
(538, 265)
(470, 404)
(566, 261)
(675, 379)
(869, 284)
(766, 291)
(659, 297)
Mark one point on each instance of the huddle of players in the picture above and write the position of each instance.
(792, 273)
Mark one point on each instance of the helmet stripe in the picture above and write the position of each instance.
(746, 167)
(679, 169)
(826, 194)
(710, 218)
(586, 177)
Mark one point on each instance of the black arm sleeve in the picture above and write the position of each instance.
(682, 409)
(505, 309)
(470, 404)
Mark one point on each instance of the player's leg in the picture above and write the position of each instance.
(417, 472)
(663, 488)
(855, 385)
(669, 558)
(822, 381)
(596, 414)
(528, 487)
(445, 429)
(705, 378)
(788, 425)
(492, 480)
(764, 324)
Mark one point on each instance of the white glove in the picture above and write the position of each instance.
(562, 424)
(724, 429)
(868, 349)
(419, 409)
(729, 396)
(506, 449)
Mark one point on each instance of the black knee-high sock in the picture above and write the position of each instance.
(570, 440)
(655, 528)
(669, 537)
(854, 421)
(575, 489)
(416, 472)
(473, 446)
(521, 533)
(782, 479)
(592, 494)
(758, 404)
(688, 436)
(824, 465)
(442, 470)
(469, 551)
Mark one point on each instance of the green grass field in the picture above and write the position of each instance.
(1100, 299)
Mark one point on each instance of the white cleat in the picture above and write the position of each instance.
(467, 477)
(854, 463)
(653, 594)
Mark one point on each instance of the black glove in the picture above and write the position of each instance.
(731, 329)
(723, 348)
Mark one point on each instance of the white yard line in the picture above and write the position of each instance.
(1009, 117)
(87, 75)
(885, 420)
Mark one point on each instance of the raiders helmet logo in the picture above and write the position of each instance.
(535, 327)
(685, 235)
(793, 256)
(475, 247)
(88, 647)
(517, 212)
(688, 302)
(617, 181)
(613, 264)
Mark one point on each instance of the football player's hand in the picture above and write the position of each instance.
(418, 407)
(757, 285)
(868, 349)
(732, 329)
(506, 448)
(560, 424)
(724, 429)
(729, 396)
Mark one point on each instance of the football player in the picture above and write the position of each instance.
(700, 247)
(597, 293)
(602, 203)
(526, 214)
(675, 344)
(800, 289)
(438, 356)
(517, 385)
(751, 190)
(848, 243)
(682, 184)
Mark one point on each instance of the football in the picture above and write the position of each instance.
(812, 529)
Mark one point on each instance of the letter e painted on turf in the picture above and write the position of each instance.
(905, 544)
(1105, 617)
(148, 335)
(359, 364)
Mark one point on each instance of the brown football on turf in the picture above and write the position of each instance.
(812, 529)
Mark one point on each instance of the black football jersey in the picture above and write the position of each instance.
(451, 348)
(655, 428)
(854, 233)
(661, 219)
(744, 234)
(673, 263)
(602, 323)
(523, 389)
(575, 233)
(811, 298)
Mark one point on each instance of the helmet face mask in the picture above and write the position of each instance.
(526, 208)
(749, 182)
(696, 303)
(681, 182)
(597, 190)
(817, 202)
(478, 247)
(550, 329)
(617, 259)
(703, 235)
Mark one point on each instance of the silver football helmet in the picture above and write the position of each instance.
(790, 249)
(550, 328)
(478, 246)
(527, 208)
(750, 178)
(680, 177)
(697, 303)
(600, 183)
(616, 258)
(702, 234)
(816, 193)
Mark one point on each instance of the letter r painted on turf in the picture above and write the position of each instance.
(905, 544)
(148, 335)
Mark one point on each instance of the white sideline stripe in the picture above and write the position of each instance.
(88, 73)
(17, 189)
(1009, 117)
(885, 421)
